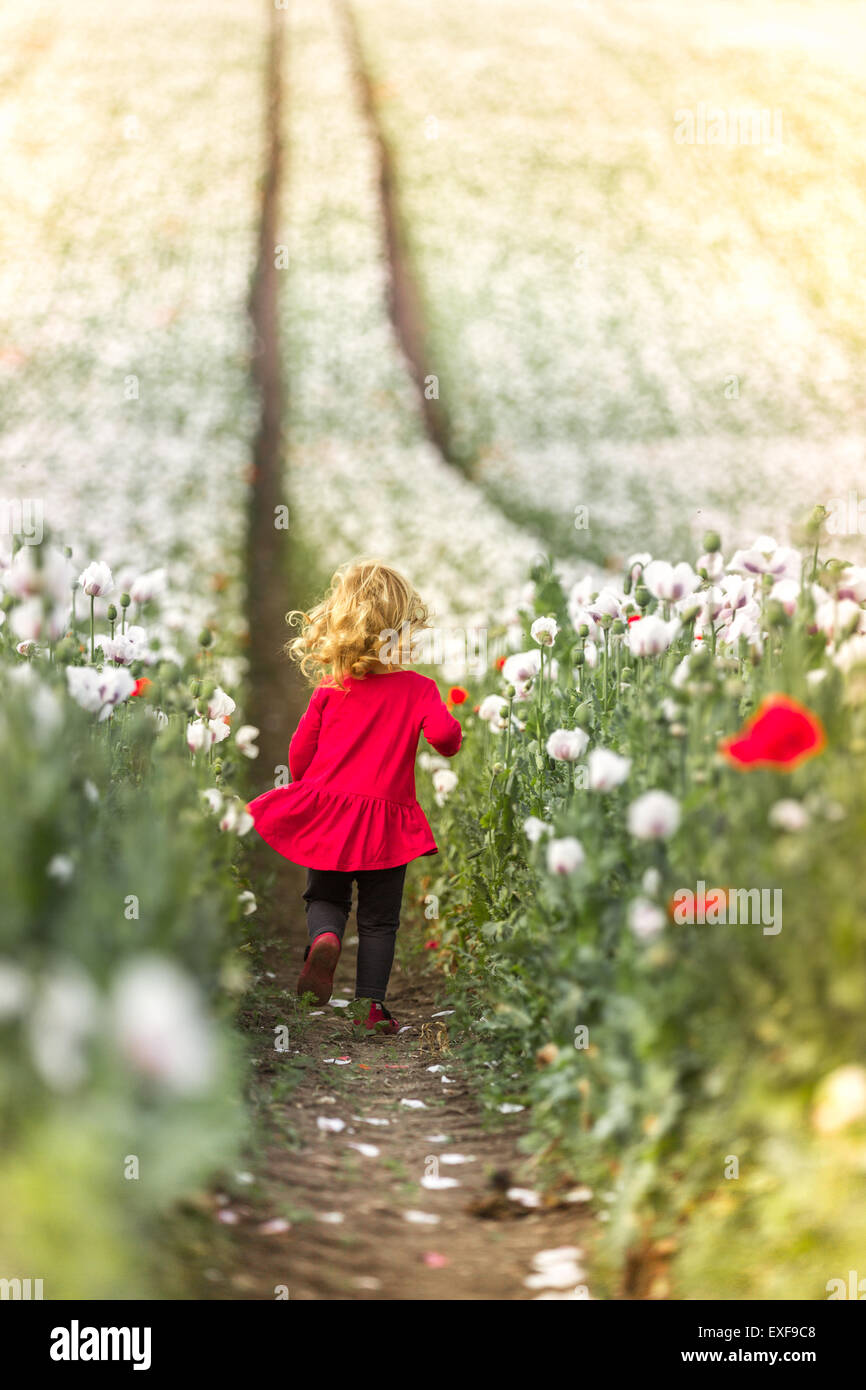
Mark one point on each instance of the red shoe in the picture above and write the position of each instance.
(320, 962)
(379, 1020)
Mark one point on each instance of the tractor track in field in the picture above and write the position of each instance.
(405, 302)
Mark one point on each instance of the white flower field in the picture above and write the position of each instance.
(647, 342)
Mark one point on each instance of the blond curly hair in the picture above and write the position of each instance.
(370, 616)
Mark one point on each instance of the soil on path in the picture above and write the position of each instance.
(354, 1229)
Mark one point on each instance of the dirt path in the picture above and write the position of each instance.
(323, 1219)
(332, 1201)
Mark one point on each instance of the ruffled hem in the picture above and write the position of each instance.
(344, 831)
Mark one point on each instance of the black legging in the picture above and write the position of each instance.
(328, 896)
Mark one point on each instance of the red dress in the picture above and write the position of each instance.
(351, 803)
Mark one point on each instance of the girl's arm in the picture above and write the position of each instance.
(306, 737)
(441, 730)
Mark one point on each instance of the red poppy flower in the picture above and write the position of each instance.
(634, 617)
(141, 685)
(782, 733)
(431, 945)
(500, 662)
(712, 900)
(457, 695)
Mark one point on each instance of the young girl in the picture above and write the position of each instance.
(350, 811)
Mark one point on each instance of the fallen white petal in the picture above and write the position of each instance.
(421, 1218)
(414, 1104)
(368, 1150)
(545, 1258)
(562, 1276)
(435, 1184)
(273, 1228)
(524, 1196)
(334, 1126)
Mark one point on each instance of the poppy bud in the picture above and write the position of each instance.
(205, 637)
(712, 542)
(125, 600)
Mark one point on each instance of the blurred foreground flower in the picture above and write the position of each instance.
(564, 856)
(160, 1026)
(840, 1100)
(607, 769)
(654, 816)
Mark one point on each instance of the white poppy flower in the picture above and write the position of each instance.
(651, 635)
(199, 735)
(219, 704)
(841, 1100)
(654, 816)
(670, 582)
(522, 667)
(245, 740)
(645, 919)
(567, 745)
(236, 818)
(852, 584)
(444, 781)
(31, 621)
(534, 829)
(14, 989)
(60, 868)
(160, 1025)
(607, 769)
(565, 855)
(788, 814)
(99, 691)
(96, 580)
(543, 631)
(494, 711)
(148, 586)
(766, 556)
(64, 1014)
